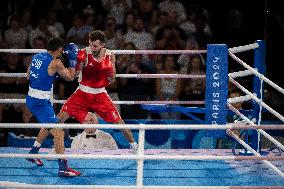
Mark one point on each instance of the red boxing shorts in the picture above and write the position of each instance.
(80, 103)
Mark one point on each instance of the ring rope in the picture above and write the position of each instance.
(259, 113)
(256, 73)
(244, 48)
(32, 51)
(17, 101)
(239, 99)
(141, 126)
(273, 140)
(188, 76)
(230, 133)
(270, 165)
(139, 157)
(241, 73)
(259, 101)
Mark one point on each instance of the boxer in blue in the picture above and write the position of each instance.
(43, 70)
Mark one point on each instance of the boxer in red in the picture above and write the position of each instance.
(96, 70)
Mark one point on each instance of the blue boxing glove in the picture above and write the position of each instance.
(71, 50)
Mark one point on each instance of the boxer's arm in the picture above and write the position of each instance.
(66, 73)
(111, 76)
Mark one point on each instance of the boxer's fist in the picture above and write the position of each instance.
(82, 55)
(81, 58)
(71, 50)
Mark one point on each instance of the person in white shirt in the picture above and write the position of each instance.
(93, 139)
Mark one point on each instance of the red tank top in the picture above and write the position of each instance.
(95, 73)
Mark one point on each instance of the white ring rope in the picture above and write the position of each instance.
(244, 48)
(17, 101)
(259, 101)
(239, 99)
(28, 51)
(270, 165)
(13, 74)
(187, 76)
(255, 72)
(137, 126)
(114, 51)
(241, 73)
(278, 144)
(260, 113)
(230, 133)
(141, 157)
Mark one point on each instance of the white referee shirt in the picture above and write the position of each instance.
(101, 140)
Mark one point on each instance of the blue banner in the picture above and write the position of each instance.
(216, 85)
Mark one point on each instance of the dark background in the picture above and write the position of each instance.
(264, 19)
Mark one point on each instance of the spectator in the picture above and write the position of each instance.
(128, 23)
(203, 33)
(114, 40)
(124, 59)
(162, 22)
(168, 89)
(169, 37)
(14, 88)
(16, 36)
(194, 14)
(146, 11)
(184, 59)
(40, 30)
(133, 88)
(140, 38)
(117, 9)
(78, 33)
(194, 89)
(170, 5)
(26, 21)
(56, 28)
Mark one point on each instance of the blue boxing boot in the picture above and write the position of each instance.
(35, 150)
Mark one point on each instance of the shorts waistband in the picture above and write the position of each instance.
(91, 90)
(36, 93)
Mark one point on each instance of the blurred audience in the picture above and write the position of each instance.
(168, 89)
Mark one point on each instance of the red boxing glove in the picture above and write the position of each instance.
(81, 58)
(82, 55)
(107, 68)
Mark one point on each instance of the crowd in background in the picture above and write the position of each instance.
(128, 24)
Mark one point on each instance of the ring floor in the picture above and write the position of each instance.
(156, 172)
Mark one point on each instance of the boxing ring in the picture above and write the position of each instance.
(166, 168)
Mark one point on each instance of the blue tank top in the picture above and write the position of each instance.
(39, 78)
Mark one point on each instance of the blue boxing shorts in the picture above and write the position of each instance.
(42, 109)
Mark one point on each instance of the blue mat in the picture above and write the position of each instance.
(156, 172)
